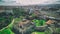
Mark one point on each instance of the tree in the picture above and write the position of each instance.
(18, 12)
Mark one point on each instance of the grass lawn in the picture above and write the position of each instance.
(38, 33)
(6, 31)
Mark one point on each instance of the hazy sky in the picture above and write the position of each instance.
(28, 2)
(31, 2)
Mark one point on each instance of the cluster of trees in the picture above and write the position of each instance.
(5, 19)
(19, 12)
(50, 9)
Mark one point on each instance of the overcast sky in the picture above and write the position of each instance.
(31, 2)
(26, 2)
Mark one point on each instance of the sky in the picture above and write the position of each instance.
(29, 2)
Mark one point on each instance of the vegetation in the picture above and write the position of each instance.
(6, 31)
(5, 20)
(18, 12)
(39, 22)
(38, 33)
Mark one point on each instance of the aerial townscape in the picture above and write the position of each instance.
(29, 17)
